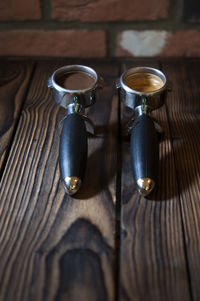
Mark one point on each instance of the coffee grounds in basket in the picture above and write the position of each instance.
(76, 80)
(144, 82)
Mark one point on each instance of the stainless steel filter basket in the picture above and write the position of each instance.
(64, 97)
(132, 98)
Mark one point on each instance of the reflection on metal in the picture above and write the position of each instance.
(72, 185)
(74, 108)
(145, 185)
(84, 97)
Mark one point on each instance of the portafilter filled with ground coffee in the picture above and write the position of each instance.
(143, 89)
(74, 88)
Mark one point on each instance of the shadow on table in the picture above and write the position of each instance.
(101, 163)
(177, 172)
(175, 175)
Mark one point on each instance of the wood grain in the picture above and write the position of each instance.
(54, 247)
(14, 80)
(152, 258)
(184, 118)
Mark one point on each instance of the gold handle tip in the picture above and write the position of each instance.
(72, 185)
(145, 186)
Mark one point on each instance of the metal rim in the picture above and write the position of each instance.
(154, 71)
(74, 68)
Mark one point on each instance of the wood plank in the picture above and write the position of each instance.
(53, 246)
(183, 109)
(152, 257)
(14, 80)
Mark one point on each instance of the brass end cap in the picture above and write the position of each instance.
(145, 186)
(72, 185)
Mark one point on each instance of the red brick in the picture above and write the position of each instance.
(158, 43)
(68, 43)
(19, 9)
(109, 10)
(182, 43)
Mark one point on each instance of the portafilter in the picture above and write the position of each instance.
(143, 89)
(74, 88)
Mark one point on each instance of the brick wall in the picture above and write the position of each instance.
(99, 28)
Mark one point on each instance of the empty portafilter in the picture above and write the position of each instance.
(74, 88)
(143, 89)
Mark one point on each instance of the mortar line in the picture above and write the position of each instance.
(49, 25)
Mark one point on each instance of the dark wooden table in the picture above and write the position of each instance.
(107, 243)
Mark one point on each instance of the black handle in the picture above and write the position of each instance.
(73, 152)
(144, 153)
